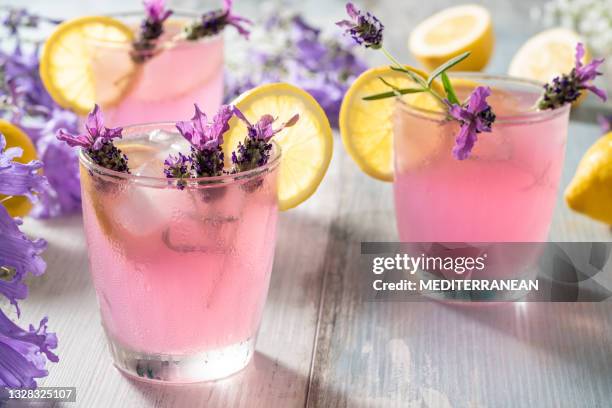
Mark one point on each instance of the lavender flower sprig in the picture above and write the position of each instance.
(206, 139)
(98, 142)
(178, 167)
(213, 22)
(255, 150)
(474, 115)
(151, 28)
(568, 87)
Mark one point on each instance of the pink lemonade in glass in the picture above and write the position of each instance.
(181, 275)
(163, 87)
(504, 192)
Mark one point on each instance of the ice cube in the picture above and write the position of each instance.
(162, 137)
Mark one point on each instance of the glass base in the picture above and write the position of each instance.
(182, 369)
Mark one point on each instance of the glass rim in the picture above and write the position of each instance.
(165, 182)
(171, 42)
(528, 116)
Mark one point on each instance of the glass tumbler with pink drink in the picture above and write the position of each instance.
(180, 220)
(140, 67)
(475, 159)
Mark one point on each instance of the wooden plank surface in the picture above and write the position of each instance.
(321, 344)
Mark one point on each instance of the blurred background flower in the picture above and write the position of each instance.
(25, 102)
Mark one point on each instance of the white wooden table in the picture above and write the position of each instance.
(321, 344)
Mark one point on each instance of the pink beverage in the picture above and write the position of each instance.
(506, 190)
(181, 275)
(163, 87)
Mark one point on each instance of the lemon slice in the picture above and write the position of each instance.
(85, 61)
(451, 32)
(546, 55)
(15, 137)
(367, 126)
(306, 147)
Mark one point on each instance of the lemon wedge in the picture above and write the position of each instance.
(451, 32)
(306, 147)
(546, 55)
(590, 191)
(366, 127)
(15, 137)
(85, 61)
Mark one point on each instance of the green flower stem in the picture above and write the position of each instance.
(415, 77)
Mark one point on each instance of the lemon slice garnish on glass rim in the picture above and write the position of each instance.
(15, 137)
(79, 65)
(451, 32)
(306, 147)
(367, 126)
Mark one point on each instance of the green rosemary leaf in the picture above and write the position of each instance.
(413, 75)
(446, 66)
(391, 94)
(448, 88)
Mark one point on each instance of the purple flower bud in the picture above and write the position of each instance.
(156, 10)
(98, 141)
(363, 27)
(262, 129)
(256, 148)
(213, 22)
(476, 117)
(177, 167)
(568, 87)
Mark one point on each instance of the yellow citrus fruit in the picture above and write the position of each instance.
(15, 137)
(306, 147)
(451, 32)
(85, 61)
(546, 55)
(590, 191)
(366, 127)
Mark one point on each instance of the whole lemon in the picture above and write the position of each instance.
(590, 191)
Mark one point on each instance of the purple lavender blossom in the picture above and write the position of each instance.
(213, 22)
(156, 11)
(18, 179)
(98, 142)
(568, 87)
(255, 150)
(204, 135)
(363, 27)
(151, 28)
(476, 117)
(262, 129)
(178, 167)
(24, 353)
(206, 140)
(324, 67)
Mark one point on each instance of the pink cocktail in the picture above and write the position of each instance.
(162, 87)
(181, 275)
(504, 192)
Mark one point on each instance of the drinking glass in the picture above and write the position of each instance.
(181, 272)
(504, 192)
(135, 87)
